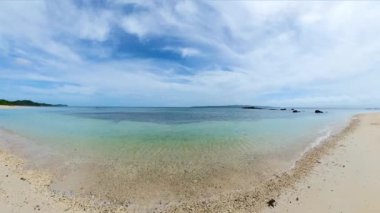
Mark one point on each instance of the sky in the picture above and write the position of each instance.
(185, 53)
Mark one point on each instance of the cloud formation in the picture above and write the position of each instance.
(179, 53)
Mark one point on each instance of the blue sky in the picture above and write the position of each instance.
(183, 53)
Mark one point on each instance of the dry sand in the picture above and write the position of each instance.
(7, 107)
(341, 175)
(345, 180)
(25, 191)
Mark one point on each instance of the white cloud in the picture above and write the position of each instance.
(188, 8)
(184, 51)
(188, 52)
(95, 26)
(22, 61)
(322, 52)
(134, 25)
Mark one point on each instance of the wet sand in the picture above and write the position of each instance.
(345, 180)
(344, 164)
(25, 191)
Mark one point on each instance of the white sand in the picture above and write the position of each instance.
(346, 180)
(25, 190)
(7, 107)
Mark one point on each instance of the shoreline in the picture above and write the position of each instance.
(8, 107)
(344, 180)
(14, 107)
(27, 190)
(255, 200)
(24, 190)
(325, 138)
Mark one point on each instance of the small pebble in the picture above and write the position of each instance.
(37, 208)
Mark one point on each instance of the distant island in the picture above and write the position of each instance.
(317, 111)
(28, 103)
(235, 106)
(220, 106)
(242, 107)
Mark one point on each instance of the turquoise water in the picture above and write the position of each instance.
(140, 154)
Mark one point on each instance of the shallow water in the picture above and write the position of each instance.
(152, 156)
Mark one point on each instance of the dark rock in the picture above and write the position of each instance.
(297, 199)
(318, 111)
(252, 107)
(283, 109)
(295, 111)
(271, 203)
(23, 179)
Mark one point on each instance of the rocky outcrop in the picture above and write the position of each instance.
(252, 107)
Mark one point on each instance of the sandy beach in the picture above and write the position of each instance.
(8, 107)
(189, 106)
(338, 176)
(346, 179)
(25, 191)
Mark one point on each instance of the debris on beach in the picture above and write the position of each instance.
(271, 203)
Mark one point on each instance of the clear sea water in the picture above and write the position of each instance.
(158, 155)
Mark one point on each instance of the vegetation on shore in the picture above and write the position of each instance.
(27, 103)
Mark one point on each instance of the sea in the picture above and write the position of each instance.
(149, 156)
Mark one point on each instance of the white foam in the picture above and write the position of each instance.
(324, 135)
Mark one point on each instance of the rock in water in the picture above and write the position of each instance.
(252, 107)
(296, 111)
(318, 111)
